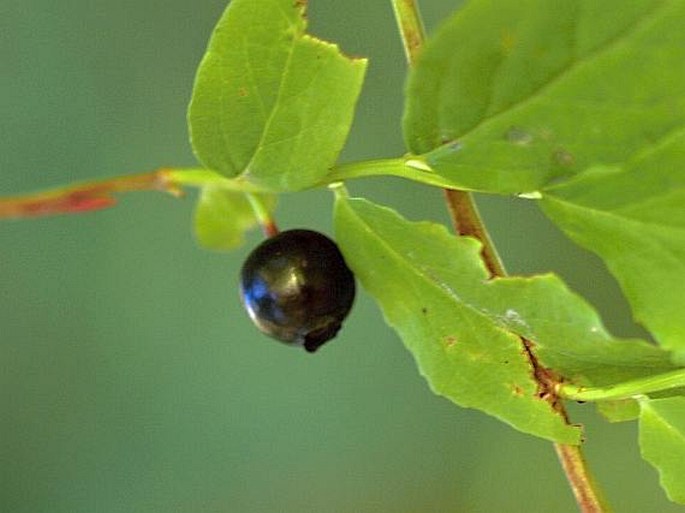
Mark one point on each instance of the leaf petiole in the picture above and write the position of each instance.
(411, 167)
(625, 390)
(200, 177)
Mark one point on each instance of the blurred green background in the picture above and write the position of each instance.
(130, 378)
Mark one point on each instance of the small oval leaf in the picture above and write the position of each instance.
(270, 102)
(223, 216)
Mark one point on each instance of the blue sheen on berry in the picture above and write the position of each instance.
(297, 288)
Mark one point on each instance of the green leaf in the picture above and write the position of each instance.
(634, 219)
(662, 442)
(513, 95)
(421, 277)
(619, 411)
(223, 216)
(272, 103)
(465, 329)
(568, 334)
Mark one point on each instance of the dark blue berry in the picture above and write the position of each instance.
(297, 288)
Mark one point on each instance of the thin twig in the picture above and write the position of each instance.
(85, 197)
(467, 222)
(411, 27)
(580, 478)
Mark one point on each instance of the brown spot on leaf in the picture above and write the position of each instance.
(449, 340)
(545, 378)
(518, 136)
(242, 92)
(517, 390)
(563, 157)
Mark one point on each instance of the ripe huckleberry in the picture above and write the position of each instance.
(297, 288)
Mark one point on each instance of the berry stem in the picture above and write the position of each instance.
(467, 222)
(263, 215)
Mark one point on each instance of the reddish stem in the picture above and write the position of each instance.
(467, 222)
(270, 229)
(85, 197)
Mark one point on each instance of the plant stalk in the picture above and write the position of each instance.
(583, 485)
(467, 222)
(411, 27)
(85, 197)
(100, 194)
